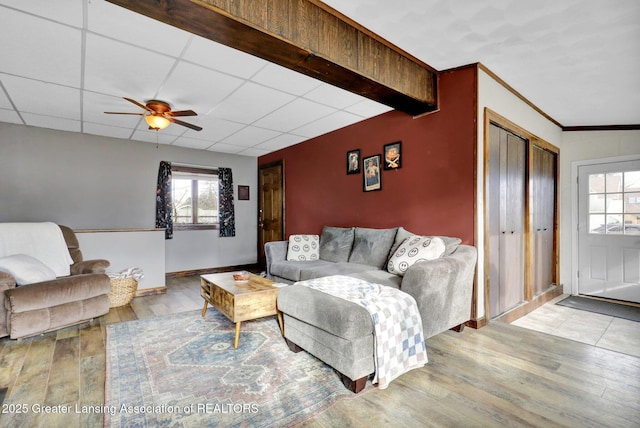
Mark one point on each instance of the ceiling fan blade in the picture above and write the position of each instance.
(142, 106)
(119, 112)
(188, 125)
(182, 113)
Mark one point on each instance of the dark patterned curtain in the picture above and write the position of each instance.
(163, 200)
(226, 213)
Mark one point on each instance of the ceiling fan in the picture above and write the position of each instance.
(159, 115)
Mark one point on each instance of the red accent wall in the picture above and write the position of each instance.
(432, 194)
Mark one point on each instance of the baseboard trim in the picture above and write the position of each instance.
(254, 268)
(150, 291)
(530, 306)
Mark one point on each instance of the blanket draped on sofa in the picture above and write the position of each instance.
(398, 337)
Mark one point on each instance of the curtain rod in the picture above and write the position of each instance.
(189, 165)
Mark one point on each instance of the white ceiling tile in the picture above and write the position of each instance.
(194, 87)
(37, 97)
(293, 115)
(286, 80)
(213, 129)
(222, 58)
(250, 136)
(39, 49)
(280, 142)
(334, 121)
(67, 12)
(94, 106)
(116, 68)
(122, 24)
(368, 108)
(225, 148)
(51, 122)
(9, 116)
(333, 96)
(105, 130)
(253, 152)
(192, 143)
(153, 136)
(251, 102)
(4, 100)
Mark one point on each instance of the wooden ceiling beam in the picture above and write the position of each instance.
(309, 37)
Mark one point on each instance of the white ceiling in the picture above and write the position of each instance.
(63, 63)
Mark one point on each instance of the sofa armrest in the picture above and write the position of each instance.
(56, 292)
(275, 251)
(6, 281)
(90, 266)
(443, 289)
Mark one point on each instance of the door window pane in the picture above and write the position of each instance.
(614, 203)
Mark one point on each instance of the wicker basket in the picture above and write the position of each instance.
(122, 291)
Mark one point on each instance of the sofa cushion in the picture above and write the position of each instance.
(344, 268)
(371, 246)
(26, 269)
(413, 250)
(382, 277)
(291, 269)
(336, 243)
(303, 247)
(450, 244)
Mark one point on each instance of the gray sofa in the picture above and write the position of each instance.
(339, 332)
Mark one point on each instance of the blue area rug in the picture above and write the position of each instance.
(182, 370)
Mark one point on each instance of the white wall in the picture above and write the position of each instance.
(497, 97)
(582, 147)
(92, 182)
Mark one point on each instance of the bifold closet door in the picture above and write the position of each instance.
(542, 206)
(506, 213)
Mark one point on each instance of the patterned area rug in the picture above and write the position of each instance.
(182, 370)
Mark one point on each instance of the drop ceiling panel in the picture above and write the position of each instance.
(251, 102)
(226, 148)
(192, 143)
(295, 114)
(222, 58)
(332, 96)
(280, 142)
(51, 122)
(51, 100)
(368, 108)
(334, 121)
(252, 151)
(4, 101)
(121, 24)
(194, 87)
(39, 49)
(9, 116)
(106, 131)
(67, 12)
(286, 80)
(153, 136)
(94, 105)
(213, 130)
(117, 68)
(250, 136)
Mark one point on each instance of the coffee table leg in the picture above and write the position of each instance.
(281, 322)
(235, 342)
(204, 310)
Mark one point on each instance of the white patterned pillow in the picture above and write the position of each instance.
(415, 249)
(303, 247)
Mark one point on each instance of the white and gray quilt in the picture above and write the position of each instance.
(398, 338)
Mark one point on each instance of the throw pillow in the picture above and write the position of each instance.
(303, 247)
(371, 246)
(26, 269)
(336, 243)
(413, 250)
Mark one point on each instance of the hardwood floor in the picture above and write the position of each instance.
(497, 376)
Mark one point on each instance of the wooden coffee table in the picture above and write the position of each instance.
(240, 300)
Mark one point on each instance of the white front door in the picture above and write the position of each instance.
(609, 230)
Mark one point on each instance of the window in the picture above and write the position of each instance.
(614, 203)
(195, 198)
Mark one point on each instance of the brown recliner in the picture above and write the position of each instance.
(49, 305)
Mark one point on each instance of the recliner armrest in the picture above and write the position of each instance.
(90, 266)
(6, 281)
(56, 292)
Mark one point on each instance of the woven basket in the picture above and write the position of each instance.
(122, 291)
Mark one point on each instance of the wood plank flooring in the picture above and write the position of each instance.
(500, 375)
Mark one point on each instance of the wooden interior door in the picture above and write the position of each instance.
(507, 190)
(270, 206)
(542, 208)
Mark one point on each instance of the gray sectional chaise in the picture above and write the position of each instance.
(341, 333)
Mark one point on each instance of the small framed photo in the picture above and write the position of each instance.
(371, 173)
(243, 193)
(392, 153)
(353, 162)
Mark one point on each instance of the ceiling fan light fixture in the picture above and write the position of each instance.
(157, 122)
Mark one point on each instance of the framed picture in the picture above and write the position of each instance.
(243, 193)
(353, 162)
(392, 153)
(371, 173)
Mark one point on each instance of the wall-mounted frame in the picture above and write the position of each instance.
(371, 177)
(243, 193)
(353, 161)
(392, 154)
